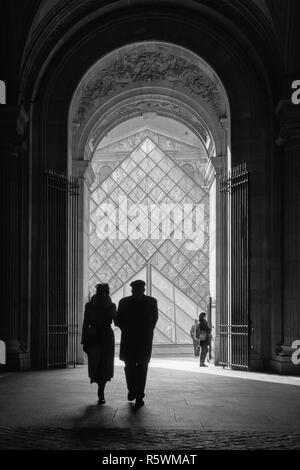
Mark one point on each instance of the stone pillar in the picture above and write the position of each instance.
(83, 171)
(289, 140)
(212, 175)
(14, 318)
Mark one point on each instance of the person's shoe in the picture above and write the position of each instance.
(101, 399)
(130, 396)
(203, 365)
(139, 402)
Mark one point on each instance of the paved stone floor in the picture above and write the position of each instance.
(186, 408)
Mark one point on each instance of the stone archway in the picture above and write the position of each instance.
(49, 87)
(147, 78)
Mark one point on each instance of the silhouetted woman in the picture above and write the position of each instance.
(98, 338)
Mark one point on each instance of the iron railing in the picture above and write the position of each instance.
(61, 269)
(234, 301)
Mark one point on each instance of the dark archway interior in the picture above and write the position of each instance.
(252, 49)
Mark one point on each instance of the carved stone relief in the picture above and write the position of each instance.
(147, 68)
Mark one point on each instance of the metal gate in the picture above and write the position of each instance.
(61, 269)
(234, 331)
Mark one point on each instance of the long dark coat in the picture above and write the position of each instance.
(137, 319)
(100, 346)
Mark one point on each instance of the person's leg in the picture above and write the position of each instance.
(101, 387)
(203, 353)
(195, 347)
(141, 369)
(130, 374)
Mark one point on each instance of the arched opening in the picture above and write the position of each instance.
(150, 124)
(65, 140)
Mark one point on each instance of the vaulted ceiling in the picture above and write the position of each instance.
(36, 30)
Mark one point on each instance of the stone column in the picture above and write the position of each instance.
(14, 328)
(83, 171)
(289, 139)
(212, 175)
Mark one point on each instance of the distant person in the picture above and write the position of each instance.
(203, 334)
(98, 338)
(137, 317)
(195, 340)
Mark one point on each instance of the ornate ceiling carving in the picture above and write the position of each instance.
(148, 68)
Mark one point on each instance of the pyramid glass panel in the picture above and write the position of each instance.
(147, 145)
(165, 330)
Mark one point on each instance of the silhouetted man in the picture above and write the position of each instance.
(137, 317)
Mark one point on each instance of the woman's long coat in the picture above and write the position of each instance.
(100, 347)
(137, 319)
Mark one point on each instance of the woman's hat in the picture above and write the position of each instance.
(102, 288)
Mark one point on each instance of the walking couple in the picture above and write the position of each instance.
(137, 316)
